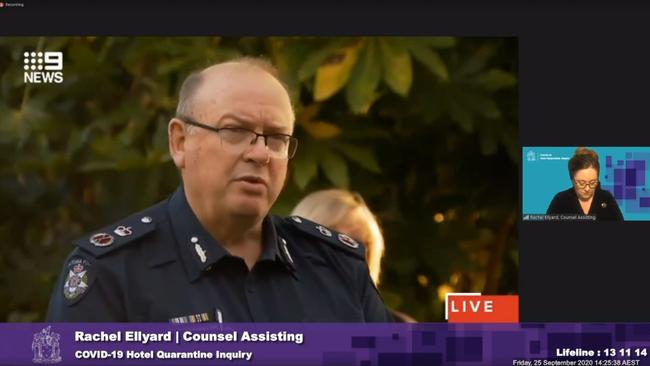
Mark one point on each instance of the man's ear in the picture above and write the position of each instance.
(177, 134)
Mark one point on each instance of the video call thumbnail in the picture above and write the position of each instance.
(585, 183)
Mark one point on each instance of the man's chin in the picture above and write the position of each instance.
(250, 207)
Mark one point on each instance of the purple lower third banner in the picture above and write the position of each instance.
(324, 344)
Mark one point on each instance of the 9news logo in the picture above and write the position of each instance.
(43, 67)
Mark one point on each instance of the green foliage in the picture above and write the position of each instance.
(425, 128)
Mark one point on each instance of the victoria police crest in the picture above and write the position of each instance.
(45, 346)
(77, 281)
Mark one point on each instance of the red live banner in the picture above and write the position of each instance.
(475, 308)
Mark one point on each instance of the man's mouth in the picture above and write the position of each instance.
(252, 179)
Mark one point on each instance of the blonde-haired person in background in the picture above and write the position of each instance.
(347, 212)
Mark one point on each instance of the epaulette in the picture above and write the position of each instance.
(127, 230)
(337, 240)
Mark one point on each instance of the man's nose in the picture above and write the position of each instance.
(257, 151)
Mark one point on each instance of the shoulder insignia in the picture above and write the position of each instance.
(80, 276)
(120, 233)
(339, 241)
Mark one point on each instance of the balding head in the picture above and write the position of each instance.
(191, 89)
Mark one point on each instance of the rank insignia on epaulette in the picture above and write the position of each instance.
(348, 241)
(117, 235)
(324, 231)
(78, 280)
(339, 241)
(123, 230)
(101, 239)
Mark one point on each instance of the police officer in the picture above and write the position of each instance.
(212, 252)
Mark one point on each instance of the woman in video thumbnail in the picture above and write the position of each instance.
(585, 197)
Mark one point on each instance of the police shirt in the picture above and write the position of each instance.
(161, 265)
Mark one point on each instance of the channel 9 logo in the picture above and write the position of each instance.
(43, 67)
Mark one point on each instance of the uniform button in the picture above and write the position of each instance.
(146, 220)
(194, 240)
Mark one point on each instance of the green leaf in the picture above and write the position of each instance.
(83, 58)
(440, 42)
(57, 43)
(363, 156)
(477, 61)
(462, 117)
(172, 65)
(23, 316)
(304, 169)
(104, 146)
(482, 104)
(78, 139)
(429, 58)
(130, 159)
(510, 140)
(360, 91)
(489, 143)
(391, 299)
(366, 131)
(334, 73)
(335, 169)
(397, 68)
(317, 58)
(488, 108)
(97, 166)
(159, 140)
(288, 56)
(321, 129)
(496, 79)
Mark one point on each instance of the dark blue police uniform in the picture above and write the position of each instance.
(161, 265)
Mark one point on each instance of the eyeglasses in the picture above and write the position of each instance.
(238, 139)
(582, 184)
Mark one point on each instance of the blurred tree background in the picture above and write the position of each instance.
(425, 128)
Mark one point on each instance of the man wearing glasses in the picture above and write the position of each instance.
(212, 252)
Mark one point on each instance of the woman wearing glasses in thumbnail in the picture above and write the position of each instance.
(585, 197)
